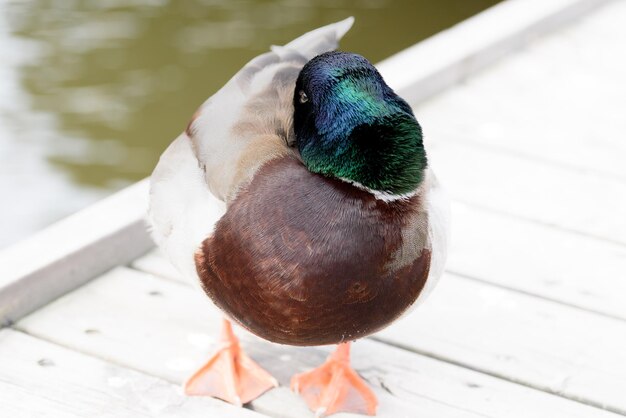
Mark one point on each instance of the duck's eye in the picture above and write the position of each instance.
(303, 97)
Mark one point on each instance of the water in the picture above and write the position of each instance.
(91, 92)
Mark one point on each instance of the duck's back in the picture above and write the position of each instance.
(303, 259)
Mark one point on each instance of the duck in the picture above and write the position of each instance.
(300, 200)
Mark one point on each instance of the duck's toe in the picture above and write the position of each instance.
(230, 375)
(335, 387)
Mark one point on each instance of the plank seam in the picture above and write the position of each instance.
(157, 275)
(562, 165)
(18, 328)
(534, 295)
(561, 228)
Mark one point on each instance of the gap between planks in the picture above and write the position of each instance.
(534, 295)
(574, 167)
(547, 224)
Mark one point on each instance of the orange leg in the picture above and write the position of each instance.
(335, 387)
(230, 374)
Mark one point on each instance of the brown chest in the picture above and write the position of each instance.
(302, 259)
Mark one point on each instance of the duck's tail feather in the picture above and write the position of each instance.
(298, 51)
(321, 39)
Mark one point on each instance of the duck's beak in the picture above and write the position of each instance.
(290, 138)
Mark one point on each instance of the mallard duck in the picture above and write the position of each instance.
(300, 200)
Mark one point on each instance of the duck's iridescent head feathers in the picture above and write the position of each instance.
(350, 124)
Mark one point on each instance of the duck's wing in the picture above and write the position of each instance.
(182, 211)
(249, 120)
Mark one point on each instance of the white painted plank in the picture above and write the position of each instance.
(532, 189)
(445, 59)
(539, 260)
(171, 327)
(73, 251)
(553, 347)
(561, 99)
(40, 379)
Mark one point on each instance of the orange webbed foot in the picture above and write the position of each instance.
(230, 374)
(335, 387)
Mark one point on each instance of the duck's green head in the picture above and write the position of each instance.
(350, 124)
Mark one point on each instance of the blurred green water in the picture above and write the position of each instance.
(91, 92)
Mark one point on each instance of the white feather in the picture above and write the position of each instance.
(182, 210)
(438, 207)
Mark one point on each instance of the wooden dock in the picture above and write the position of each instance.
(524, 111)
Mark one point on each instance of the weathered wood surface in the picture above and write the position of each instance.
(171, 328)
(40, 379)
(73, 251)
